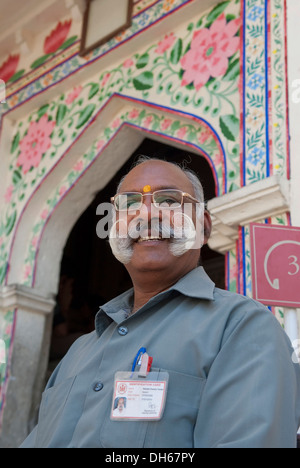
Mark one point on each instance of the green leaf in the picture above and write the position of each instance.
(40, 61)
(94, 90)
(16, 177)
(10, 222)
(176, 52)
(142, 61)
(61, 113)
(68, 42)
(2, 273)
(230, 126)
(217, 11)
(85, 115)
(15, 143)
(42, 111)
(16, 76)
(233, 187)
(233, 71)
(143, 81)
(175, 126)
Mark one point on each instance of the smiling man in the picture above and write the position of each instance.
(196, 365)
(154, 255)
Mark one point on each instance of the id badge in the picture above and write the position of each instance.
(137, 398)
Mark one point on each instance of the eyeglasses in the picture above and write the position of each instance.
(164, 199)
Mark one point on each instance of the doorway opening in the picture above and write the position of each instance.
(90, 275)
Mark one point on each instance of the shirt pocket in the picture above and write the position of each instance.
(52, 412)
(176, 428)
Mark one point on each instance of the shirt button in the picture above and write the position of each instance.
(98, 386)
(122, 331)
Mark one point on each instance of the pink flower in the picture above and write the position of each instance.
(165, 44)
(182, 132)
(233, 271)
(147, 121)
(44, 214)
(78, 166)
(8, 194)
(105, 79)
(27, 271)
(62, 190)
(8, 329)
(128, 63)
(133, 114)
(73, 95)
(35, 143)
(34, 241)
(204, 136)
(218, 158)
(166, 124)
(116, 123)
(100, 144)
(209, 52)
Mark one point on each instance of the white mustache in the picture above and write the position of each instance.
(182, 238)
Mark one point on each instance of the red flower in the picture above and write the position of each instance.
(9, 68)
(57, 37)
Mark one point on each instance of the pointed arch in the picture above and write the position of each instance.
(45, 225)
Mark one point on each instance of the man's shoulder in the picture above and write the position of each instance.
(229, 297)
(243, 311)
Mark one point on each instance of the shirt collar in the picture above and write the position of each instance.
(195, 284)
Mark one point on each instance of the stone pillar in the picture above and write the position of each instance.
(30, 349)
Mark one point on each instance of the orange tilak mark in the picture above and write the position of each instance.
(147, 188)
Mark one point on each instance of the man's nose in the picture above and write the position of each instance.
(148, 210)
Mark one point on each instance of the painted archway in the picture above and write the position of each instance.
(90, 173)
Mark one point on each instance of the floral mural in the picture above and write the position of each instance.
(196, 68)
(151, 121)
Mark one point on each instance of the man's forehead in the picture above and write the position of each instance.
(157, 175)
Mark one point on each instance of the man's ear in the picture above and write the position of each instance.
(207, 226)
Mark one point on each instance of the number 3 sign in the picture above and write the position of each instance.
(275, 260)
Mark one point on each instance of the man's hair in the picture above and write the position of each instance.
(193, 178)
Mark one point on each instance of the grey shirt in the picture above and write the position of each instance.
(232, 381)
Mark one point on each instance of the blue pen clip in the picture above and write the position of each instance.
(138, 355)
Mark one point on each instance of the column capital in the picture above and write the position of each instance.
(17, 296)
(263, 199)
